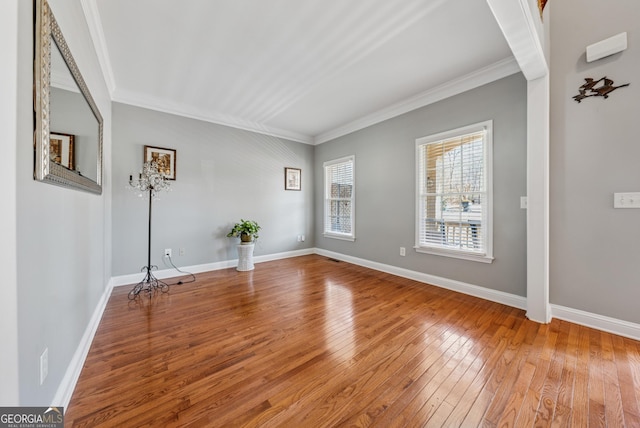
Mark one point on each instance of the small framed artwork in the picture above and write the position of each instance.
(164, 158)
(61, 149)
(292, 178)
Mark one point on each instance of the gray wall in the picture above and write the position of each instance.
(595, 249)
(385, 186)
(222, 175)
(63, 235)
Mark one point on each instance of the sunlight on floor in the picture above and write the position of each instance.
(339, 322)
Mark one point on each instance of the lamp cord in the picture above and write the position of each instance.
(193, 277)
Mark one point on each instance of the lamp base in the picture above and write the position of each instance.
(149, 284)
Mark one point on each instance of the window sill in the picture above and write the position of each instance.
(340, 237)
(482, 258)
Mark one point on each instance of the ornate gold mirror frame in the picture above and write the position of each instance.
(87, 145)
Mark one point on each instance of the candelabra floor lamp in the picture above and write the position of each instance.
(150, 181)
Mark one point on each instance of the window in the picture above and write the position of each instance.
(454, 193)
(339, 207)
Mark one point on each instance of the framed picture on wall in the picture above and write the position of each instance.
(292, 178)
(61, 149)
(165, 158)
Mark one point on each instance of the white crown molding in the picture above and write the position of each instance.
(63, 80)
(153, 103)
(506, 67)
(92, 16)
(516, 22)
(491, 73)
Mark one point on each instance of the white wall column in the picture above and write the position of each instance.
(521, 32)
(538, 308)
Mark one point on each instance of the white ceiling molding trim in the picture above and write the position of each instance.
(63, 81)
(491, 73)
(285, 74)
(152, 103)
(516, 22)
(92, 16)
(470, 81)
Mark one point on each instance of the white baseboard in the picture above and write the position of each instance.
(599, 322)
(278, 256)
(134, 278)
(576, 316)
(450, 284)
(68, 383)
(206, 267)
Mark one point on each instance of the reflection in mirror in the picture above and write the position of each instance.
(68, 124)
(70, 116)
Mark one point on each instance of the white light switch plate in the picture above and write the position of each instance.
(626, 200)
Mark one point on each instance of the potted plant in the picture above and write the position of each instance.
(247, 230)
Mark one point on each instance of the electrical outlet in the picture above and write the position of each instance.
(167, 252)
(403, 251)
(626, 200)
(44, 365)
(181, 251)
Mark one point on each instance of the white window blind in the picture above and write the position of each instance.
(339, 207)
(454, 193)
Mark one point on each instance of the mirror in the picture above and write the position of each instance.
(68, 127)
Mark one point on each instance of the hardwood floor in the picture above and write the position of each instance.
(311, 342)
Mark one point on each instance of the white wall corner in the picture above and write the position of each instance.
(92, 16)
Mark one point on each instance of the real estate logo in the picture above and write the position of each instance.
(31, 417)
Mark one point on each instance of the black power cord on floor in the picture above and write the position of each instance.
(193, 277)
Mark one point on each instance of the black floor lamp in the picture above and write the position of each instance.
(150, 181)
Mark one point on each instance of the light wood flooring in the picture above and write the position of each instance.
(311, 342)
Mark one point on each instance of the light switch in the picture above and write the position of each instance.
(626, 200)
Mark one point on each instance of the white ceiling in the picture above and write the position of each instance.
(307, 70)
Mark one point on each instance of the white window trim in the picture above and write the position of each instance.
(456, 254)
(335, 235)
(487, 257)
